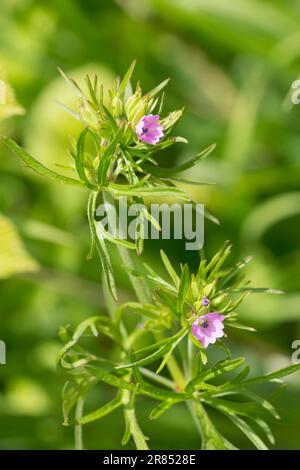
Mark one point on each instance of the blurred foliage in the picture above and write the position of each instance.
(232, 65)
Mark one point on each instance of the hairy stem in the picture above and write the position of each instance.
(139, 285)
(143, 294)
(78, 427)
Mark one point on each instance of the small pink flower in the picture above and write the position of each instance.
(149, 129)
(208, 328)
(205, 301)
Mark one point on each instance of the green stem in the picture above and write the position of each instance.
(78, 427)
(127, 397)
(211, 439)
(139, 285)
(176, 373)
(144, 295)
(196, 420)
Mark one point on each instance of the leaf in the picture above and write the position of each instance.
(160, 348)
(92, 89)
(101, 248)
(154, 346)
(215, 259)
(36, 165)
(139, 235)
(272, 376)
(168, 301)
(110, 119)
(102, 411)
(218, 260)
(68, 110)
(202, 353)
(183, 287)
(234, 271)
(248, 431)
(148, 310)
(170, 269)
(211, 438)
(157, 393)
(212, 218)
(104, 376)
(264, 403)
(107, 268)
(247, 409)
(107, 157)
(127, 432)
(161, 283)
(91, 207)
(71, 82)
(170, 352)
(239, 326)
(238, 379)
(72, 391)
(79, 159)
(216, 371)
(151, 191)
(264, 426)
(104, 325)
(157, 89)
(146, 360)
(159, 171)
(8, 103)
(257, 290)
(126, 79)
(161, 408)
(14, 258)
(106, 235)
(132, 427)
(189, 182)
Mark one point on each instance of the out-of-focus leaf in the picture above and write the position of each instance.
(268, 214)
(14, 258)
(8, 103)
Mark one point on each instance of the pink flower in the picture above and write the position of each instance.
(149, 130)
(205, 301)
(208, 328)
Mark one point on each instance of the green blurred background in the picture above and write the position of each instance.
(232, 64)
